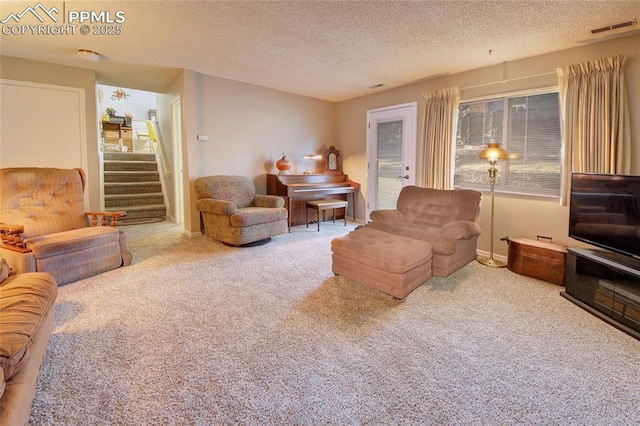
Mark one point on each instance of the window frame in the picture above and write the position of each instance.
(501, 165)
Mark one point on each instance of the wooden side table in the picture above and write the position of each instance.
(322, 205)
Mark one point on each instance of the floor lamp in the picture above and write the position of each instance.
(492, 153)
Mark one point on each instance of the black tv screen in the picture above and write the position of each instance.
(605, 211)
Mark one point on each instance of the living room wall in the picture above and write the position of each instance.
(249, 128)
(515, 216)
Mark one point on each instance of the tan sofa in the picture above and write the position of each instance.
(45, 228)
(448, 219)
(233, 213)
(26, 320)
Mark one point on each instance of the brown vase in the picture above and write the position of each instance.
(283, 164)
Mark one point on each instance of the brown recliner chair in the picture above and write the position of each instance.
(27, 310)
(45, 228)
(447, 219)
(234, 214)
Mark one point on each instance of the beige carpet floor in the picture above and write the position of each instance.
(197, 333)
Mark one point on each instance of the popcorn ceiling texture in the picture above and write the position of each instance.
(331, 50)
(195, 332)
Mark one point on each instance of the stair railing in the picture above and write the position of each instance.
(161, 160)
(160, 151)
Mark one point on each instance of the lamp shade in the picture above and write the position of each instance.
(493, 152)
(312, 156)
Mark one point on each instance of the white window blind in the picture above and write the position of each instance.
(528, 127)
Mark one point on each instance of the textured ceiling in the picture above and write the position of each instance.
(332, 50)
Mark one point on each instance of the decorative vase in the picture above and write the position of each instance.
(283, 164)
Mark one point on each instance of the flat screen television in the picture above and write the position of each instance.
(605, 211)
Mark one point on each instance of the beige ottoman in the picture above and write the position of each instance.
(390, 263)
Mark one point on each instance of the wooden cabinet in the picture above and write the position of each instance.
(113, 132)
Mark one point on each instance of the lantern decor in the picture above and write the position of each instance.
(119, 94)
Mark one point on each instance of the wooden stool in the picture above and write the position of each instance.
(322, 205)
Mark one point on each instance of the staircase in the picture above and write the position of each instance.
(132, 184)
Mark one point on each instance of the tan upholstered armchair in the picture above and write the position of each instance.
(45, 228)
(234, 214)
(448, 219)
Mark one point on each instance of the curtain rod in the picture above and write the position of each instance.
(508, 80)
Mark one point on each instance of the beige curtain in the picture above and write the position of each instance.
(595, 111)
(440, 116)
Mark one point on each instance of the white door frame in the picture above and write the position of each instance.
(176, 126)
(407, 112)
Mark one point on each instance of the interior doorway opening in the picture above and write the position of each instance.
(137, 155)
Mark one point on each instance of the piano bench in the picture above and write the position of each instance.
(322, 205)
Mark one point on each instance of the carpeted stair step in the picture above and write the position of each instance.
(113, 188)
(132, 183)
(131, 176)
(128, 200)
(138, 212)
(128, 156)
(127, 166)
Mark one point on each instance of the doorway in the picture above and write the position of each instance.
(391, 154)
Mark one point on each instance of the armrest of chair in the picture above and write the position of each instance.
(221, 207)
(113, 215)
(388, 216)
(271, 201)
(461, 229)
(11, 237)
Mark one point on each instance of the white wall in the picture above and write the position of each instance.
(250, 127)
(137, 103)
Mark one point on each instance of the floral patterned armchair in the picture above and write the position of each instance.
(234, 214)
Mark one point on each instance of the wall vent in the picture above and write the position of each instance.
(614, 26)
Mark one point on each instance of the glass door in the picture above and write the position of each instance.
(391, 154)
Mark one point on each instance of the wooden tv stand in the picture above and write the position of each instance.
(607, 285)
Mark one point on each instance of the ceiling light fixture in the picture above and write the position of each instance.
(89, 55)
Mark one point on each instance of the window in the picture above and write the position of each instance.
(528, 127)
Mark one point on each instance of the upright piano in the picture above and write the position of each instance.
(298, 189)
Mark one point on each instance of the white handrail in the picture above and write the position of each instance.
(160, 150)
